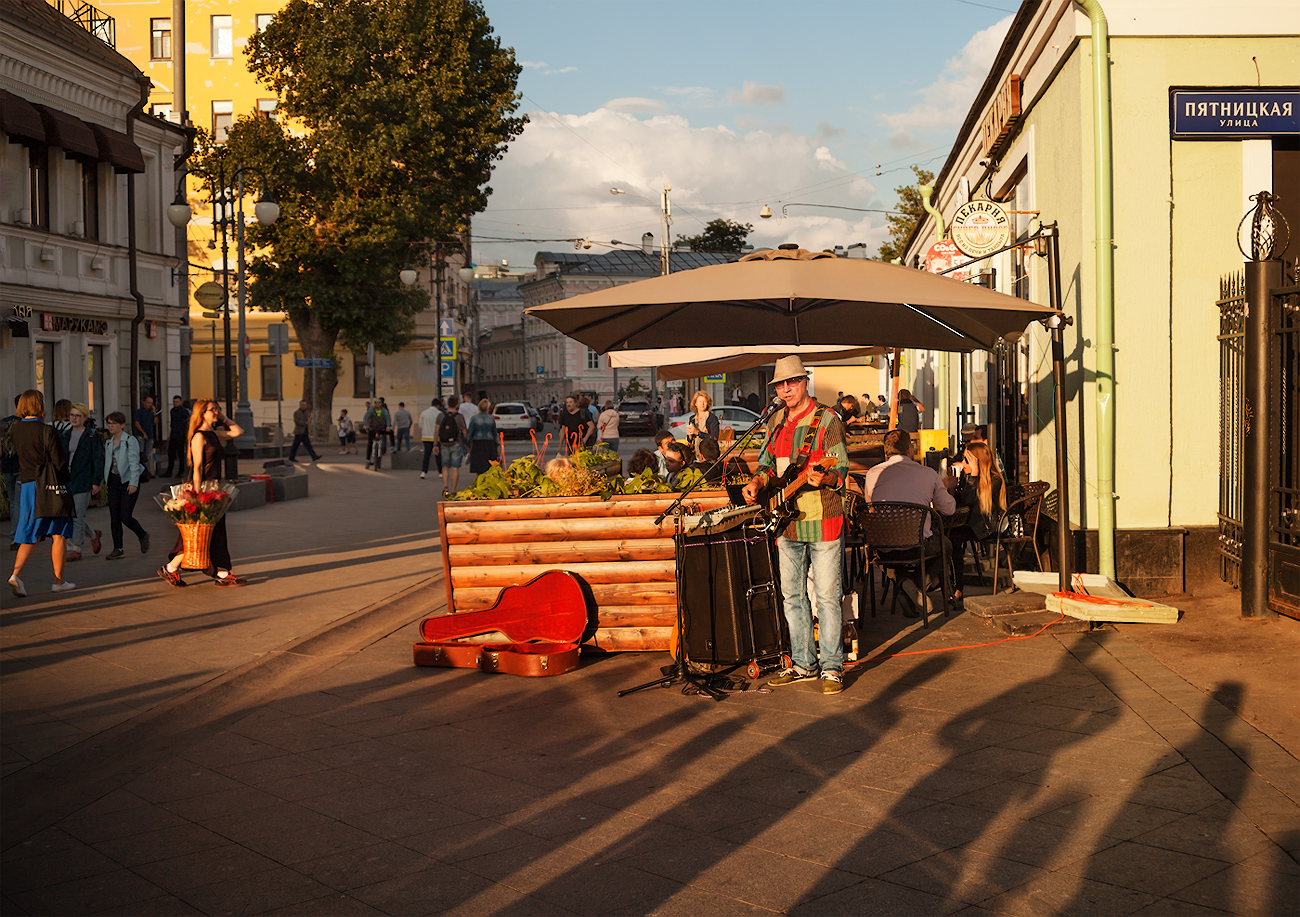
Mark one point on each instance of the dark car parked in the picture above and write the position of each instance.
(636, 417)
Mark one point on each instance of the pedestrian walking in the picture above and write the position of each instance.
(347, 433)
(9, 465)
(429, 420)
(378, 424)
(302, 432)
(178, 424)
(209, 431)
(122, 469)
(482, 438)
(143, 427)
(402, 420)
(85, 451)
(607, 423)
(452, 431)
(42, 510)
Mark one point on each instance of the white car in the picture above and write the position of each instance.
(513, 418)
(729, 415)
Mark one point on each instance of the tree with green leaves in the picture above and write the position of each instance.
(719, 236)
(901, 227)
(406, 105)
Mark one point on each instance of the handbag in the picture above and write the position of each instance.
(53, 498)
(145, 476)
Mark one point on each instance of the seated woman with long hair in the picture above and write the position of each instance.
(983, 492)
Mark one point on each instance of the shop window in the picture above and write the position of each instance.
(267, 109)
(271, 379)
(223, 37)
(360, 376)
(95, 380)
(39, 172)
(90, 200)
(223, 119)
(160, 39)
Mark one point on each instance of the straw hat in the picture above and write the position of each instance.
(788, 368)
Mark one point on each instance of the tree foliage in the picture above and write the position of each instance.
(719, 236)
(901, 227)
(406, 105)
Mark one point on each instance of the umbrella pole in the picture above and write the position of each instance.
(895, 367)
(1058, 377)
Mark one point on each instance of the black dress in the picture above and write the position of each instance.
(210, 470)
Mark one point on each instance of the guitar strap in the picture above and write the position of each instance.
(799, 460)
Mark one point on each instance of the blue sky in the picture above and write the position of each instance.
(736, 105)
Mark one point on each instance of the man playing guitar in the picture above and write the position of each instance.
(800, 437)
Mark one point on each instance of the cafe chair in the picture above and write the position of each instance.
(894, 534)
(1021, 529)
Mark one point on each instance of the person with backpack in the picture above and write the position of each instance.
(377, 423)
(452, 437)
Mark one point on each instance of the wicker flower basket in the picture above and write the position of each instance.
(196, 538)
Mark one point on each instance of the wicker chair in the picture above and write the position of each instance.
(895, 537)
(1021, 529)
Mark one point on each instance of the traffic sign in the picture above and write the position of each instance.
(248, 347)
(447, 348)
(541, 370)
(313, 363)
(277, 338)
(210, 295)
(720, 377)
(448, 369)
(445, 326)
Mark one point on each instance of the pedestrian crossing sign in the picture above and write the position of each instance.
(447, 348)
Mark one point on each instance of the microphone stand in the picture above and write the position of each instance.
(679, 671)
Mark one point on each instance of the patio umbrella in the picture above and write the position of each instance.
(791, 297)
(694, 362)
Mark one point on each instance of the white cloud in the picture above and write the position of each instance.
(637, 105)
(533, 64)
(554, 182)
(949, 97)
(697, 96)
(754, 94)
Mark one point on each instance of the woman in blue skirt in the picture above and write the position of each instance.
(38, 446)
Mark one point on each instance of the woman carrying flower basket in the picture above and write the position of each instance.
(203, 501)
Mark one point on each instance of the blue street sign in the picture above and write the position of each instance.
(313, 363)
(721, 377)
(448, 369)
(447, 348)
(445, 326)
(541, 370)
(1233, 112)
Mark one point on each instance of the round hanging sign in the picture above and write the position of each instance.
(943, 255)
(980, 228)
(211, 295)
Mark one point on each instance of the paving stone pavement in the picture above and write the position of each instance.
(325, 774)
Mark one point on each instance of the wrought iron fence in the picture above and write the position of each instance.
(1284, 421)
(92, 19)
(1232, 421)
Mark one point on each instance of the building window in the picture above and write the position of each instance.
(593, 359)
(223, 37)
(360, 376)
(95, 379)
(39, 170)
(223, 119)
(151, 381)
(267, 109)
(160, 39)
(271, 378)
(263, 20)
(90, 200)
(161, 110)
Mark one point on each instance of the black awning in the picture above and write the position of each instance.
(20, 120)
(71, 134)
(117, 148)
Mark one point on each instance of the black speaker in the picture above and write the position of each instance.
(731, 603)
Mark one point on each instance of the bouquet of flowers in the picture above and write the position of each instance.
(195, 513)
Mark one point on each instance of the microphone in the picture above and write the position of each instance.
(776, 402)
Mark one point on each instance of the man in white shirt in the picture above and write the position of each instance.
(468, 407)
(429, 420)
(900, 480)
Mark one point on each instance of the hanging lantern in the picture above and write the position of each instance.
(1269, 234)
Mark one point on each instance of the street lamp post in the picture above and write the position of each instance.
(666, 219)
(437, 268)
(267, 212)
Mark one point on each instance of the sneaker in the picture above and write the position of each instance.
(144, 543)
(423, 475)
(63, 586)
(367, 464)
(230, 580)
(790, 676)
(446, 493)
(94, 540)
(832, 683)
(115, 554)
(173, 577)
(17, 586)
(918, 601)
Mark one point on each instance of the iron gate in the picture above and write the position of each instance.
(1232, 373)
(1284, 437)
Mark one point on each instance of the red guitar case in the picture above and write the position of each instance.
(542, 622)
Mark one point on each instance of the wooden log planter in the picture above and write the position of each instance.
(626, 561)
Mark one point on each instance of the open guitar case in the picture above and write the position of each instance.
(533, 630)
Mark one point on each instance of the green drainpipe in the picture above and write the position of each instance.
(941, 360)
(1103, 183)
(926, 190)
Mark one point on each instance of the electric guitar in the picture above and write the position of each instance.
(778, 497)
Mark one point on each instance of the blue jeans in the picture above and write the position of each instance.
(825, 559)
(403, 436)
